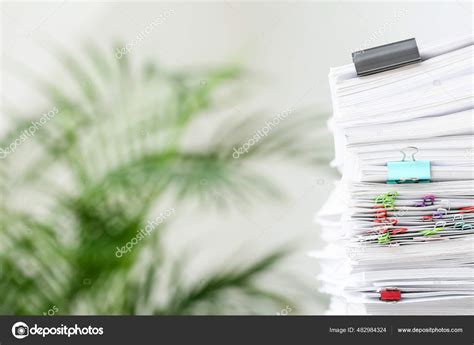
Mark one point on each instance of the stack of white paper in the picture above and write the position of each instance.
(404, 248)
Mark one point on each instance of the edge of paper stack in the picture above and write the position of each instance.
(405, 248)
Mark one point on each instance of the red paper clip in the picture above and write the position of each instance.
(380, 213)
(468, 209)
(392, 221)
(399, 231)
(390, 295)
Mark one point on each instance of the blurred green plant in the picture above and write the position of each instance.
(92, 176)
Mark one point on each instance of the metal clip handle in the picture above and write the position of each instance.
(412, 155)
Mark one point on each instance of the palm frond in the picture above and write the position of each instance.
(241, 279)
(122, 142)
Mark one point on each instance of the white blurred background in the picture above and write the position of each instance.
(288, 47)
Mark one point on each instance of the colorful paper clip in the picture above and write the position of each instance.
(390, 295)
(409, 171)
(468, 209)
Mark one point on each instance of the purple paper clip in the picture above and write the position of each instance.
(429, 199)
(439, 213)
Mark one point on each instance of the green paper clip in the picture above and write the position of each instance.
(409, 171)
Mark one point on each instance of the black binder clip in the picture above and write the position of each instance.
(386, 57)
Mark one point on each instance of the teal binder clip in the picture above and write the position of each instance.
(409, 171)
